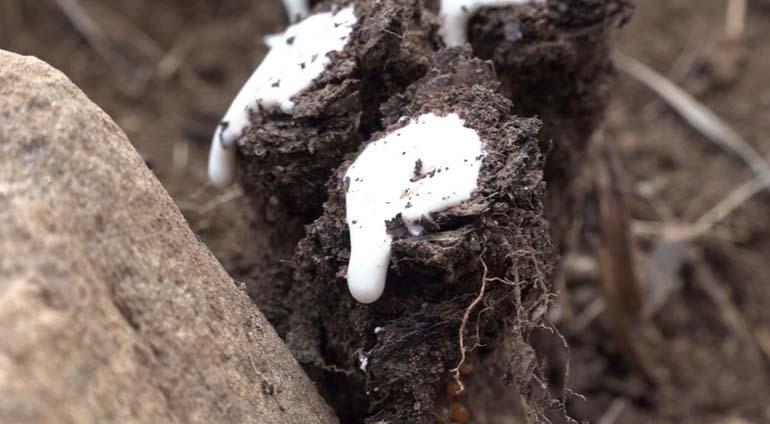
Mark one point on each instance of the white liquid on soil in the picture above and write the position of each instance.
(455, 15)
(296, 58)
(384, 182)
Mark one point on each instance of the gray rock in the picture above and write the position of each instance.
(111, 310)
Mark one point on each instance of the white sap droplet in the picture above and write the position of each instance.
(363, 362)
(296, 9)
(427, 166)
(296, 58)
(221, 167)
(455, 15)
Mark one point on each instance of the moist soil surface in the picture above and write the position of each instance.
(167, 71)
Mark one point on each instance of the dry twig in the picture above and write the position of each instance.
(730, 313)
(694, 112)
(83, 23)
(613, 412)
(708, 220)
(735, 19)
(714, 129)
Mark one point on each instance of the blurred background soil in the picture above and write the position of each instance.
(166, 72)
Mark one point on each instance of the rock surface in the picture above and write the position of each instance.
(111, 310)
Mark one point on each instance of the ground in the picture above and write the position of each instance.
(167, 72)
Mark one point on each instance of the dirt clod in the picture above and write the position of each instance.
(498, 239)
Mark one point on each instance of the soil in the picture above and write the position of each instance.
(499, 233)
(169, 71)
(290, 157)
(552, 62)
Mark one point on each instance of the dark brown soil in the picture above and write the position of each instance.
(552, 61)
(711, 367)
(499, 233)
(290, 157)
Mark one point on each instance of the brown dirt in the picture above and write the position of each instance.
(552, 61)
(290, 157)
(709, 368)
(434, 277)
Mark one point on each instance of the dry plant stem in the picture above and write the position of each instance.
(613, 412)
(695, 113)
(730, 312)
(123, 30)
(112, 47)
(732, 202)
(735, 19)
(762, 336)
(74, 11)
(714, 129)
(611, 241)
(707, 221)
(173, 60)
(588, 315)
(208, 207)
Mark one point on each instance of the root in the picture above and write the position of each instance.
(464, 323)
(479, 298)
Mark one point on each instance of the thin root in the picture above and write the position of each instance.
(466, 317)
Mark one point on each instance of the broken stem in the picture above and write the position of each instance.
(735, 19)
(694, 112)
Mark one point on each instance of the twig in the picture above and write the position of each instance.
(211, 205)
(728, 205)
(762, 337)
(125, 31)
(730, 312)
(88, 28)
(613, 412)
(114, 46)
(588, 315)
(735, 19)
(609, 236)
(172, 61)
(708, 220)
(695, 113)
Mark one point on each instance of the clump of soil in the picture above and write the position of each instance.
(492, 252)
(289, 157)
(552, 59)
